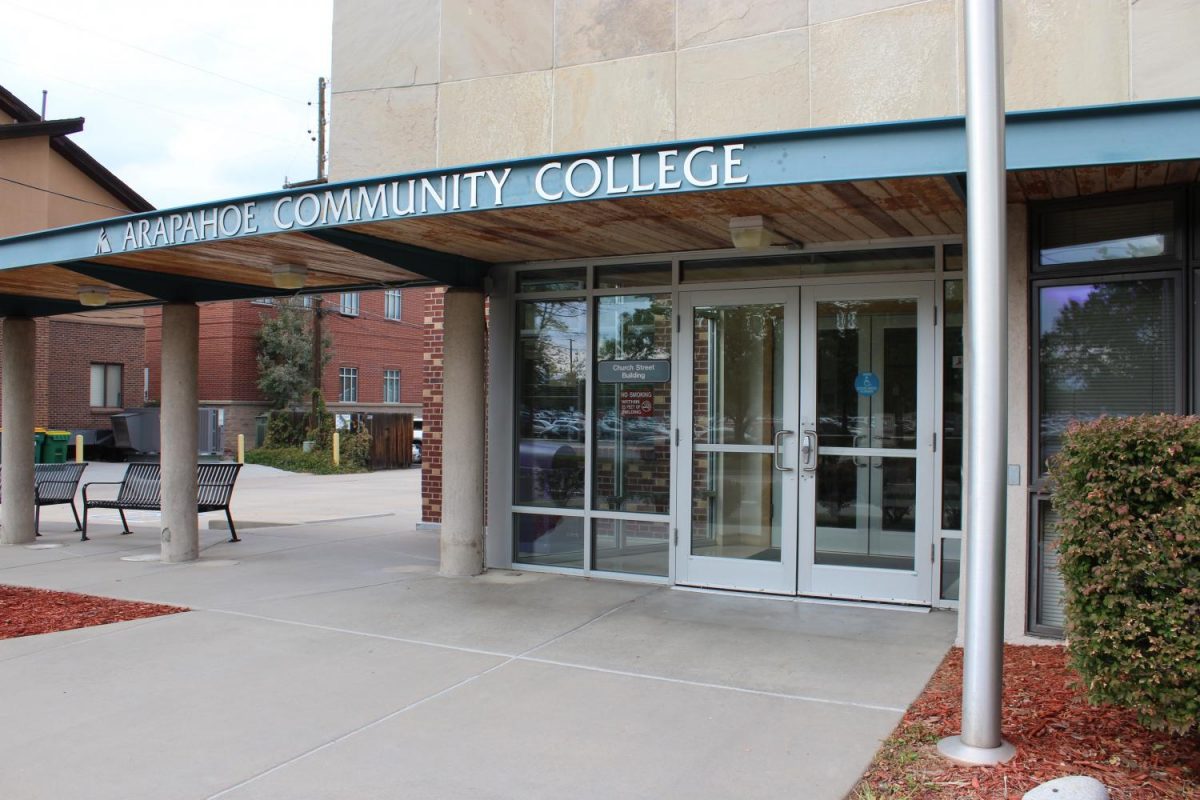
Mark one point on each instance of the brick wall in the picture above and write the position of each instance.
(66, 350)
(74, 347)
(431, 398)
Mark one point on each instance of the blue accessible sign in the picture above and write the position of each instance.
(866, 383)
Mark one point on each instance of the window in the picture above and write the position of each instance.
(349, 304)
(263, 301)
(349, 380)
(1107, 327)
(393, 304)
(391, 386)
(106, 386)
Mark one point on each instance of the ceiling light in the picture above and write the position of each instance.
(749, 233)
(93, 296)
(289, 276)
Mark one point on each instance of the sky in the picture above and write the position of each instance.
(184, 100)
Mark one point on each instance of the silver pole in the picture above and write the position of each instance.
(987, 411)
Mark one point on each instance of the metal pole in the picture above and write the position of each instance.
(987, 376)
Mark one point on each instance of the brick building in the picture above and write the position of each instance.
(89, 365)
(375, 359)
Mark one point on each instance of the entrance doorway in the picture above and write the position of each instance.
(807, 464)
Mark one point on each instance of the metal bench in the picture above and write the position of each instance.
(54, 485)
(141, 487)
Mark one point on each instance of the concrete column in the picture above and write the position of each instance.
(20, 351)
(179, 434)
(463, 393)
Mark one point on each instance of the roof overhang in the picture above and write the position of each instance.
(446, 226)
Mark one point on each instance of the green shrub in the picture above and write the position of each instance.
(320, 422)
(1128, 493)
(356, 449)
(294, 459)
(282, 430)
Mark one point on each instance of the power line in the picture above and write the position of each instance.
(161, 109)
(60, 194)
(171, 59)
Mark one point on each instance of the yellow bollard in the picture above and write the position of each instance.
(337, 448)
(78, 449)
(241, 448)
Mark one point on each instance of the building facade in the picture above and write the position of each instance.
(89, 365)
(374, 346)
(844, 359)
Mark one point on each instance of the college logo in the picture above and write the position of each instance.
(102, 245)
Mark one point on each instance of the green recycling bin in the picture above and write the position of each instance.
(39, 443)
(55, 447)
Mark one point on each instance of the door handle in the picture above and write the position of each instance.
(775, 459)
(809, 450)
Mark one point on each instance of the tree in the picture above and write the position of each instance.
(285, 355)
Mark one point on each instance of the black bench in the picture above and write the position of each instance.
(55, 485)
(141, 487)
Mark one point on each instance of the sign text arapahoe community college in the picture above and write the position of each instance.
(649, 172)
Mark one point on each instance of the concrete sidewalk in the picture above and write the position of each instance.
(330, 661)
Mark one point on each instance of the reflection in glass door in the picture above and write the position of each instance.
(867, 409)
(740, 477)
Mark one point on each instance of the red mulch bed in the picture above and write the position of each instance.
(1056, 733)
(25, 612)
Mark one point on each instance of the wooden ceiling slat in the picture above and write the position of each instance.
(799, 213)
(1062, 183)
(1090, 180)
(863, 204)
(1035, 184)
(943, 201)
(894, 208)
(57, 283)
(1120, 177)
(1183, 172)
(1151, 175)
(917, 205)
(852, 224)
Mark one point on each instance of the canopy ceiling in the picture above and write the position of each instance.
(856, 183)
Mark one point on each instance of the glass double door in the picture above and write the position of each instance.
(806, 468)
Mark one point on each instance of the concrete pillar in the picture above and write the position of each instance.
(179, 434)
(20, 352)
(462, 433)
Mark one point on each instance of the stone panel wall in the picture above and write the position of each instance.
(425, 83)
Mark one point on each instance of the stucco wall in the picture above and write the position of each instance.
(424, 83)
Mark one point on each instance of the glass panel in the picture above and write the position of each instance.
(552, 367)
(633, 420)
(867, 373)
(548, 539)
(951, 568)
(798, 265)
(737, 387)
(112, 386)
(1104, 348)
(1050, 593)
(96, 396)
(622, 545)
(1108, 233)
(565, 279)
(624, 276)
(953, 258)
(735, 506)
(952, 406)
(866, 511)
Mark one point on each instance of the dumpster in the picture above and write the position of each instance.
(39, 443)
(56, 447)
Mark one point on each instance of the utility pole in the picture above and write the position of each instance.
(316, 353)
(322, 120)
